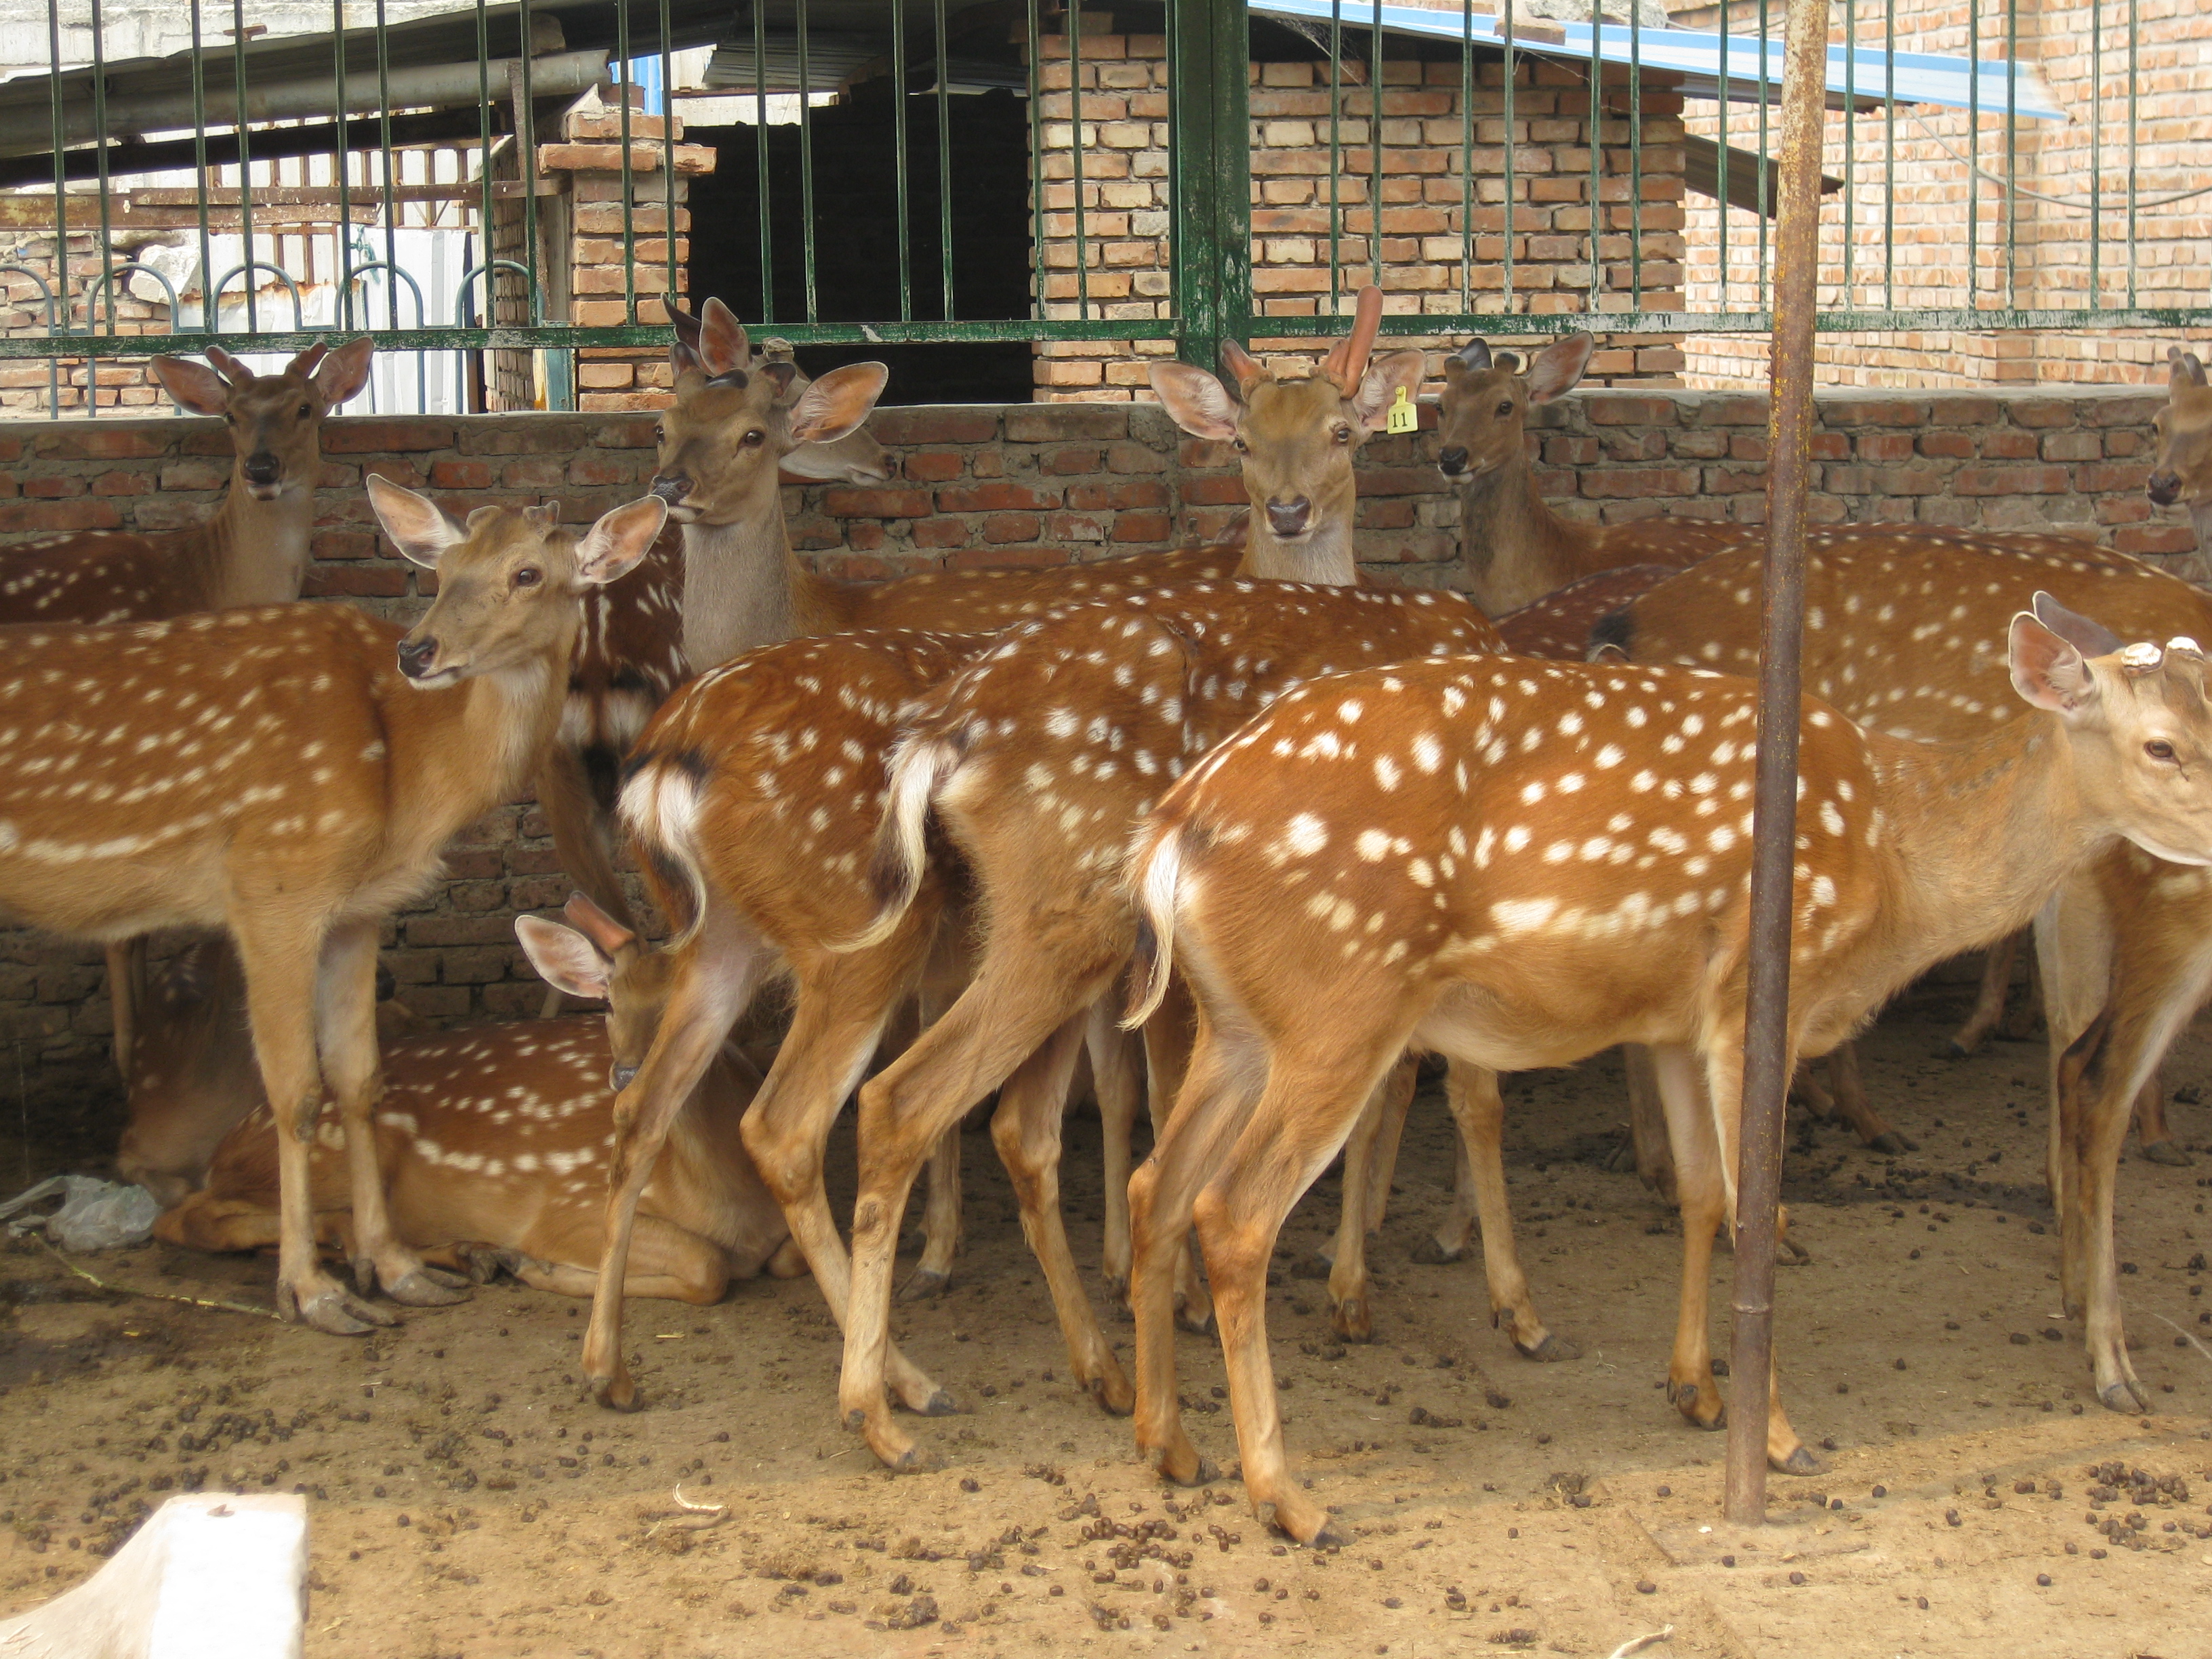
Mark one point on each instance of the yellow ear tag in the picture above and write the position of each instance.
(1402, 416)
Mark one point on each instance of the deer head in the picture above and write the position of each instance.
(508, 581)
(735, 420)
(2183, 472)
(2137, 718)
(1481, 426)
(1295, 436)
(596, 959)
(274, 420)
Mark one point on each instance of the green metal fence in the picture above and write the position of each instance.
(487, 84)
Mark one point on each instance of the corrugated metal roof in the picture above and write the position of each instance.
(1696, 57)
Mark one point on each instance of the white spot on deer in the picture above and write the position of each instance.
(1516, 838)
(1428, 754)
(1386, 772)
(1533, 791)
(1570, 783)
(1516, 916)
(1373, 846)
(1305, 834)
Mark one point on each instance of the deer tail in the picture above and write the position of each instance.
(659, 804)
(1156, 874)
(920, 768)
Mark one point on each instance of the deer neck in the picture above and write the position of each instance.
(256, 552)
(1516, 549)
(744, 588)
(1323, 555)
(2198, 567)
(1979, 834)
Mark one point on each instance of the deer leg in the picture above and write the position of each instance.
(2155, 1138)
(1366, 1164)
(940, 1222)
(345, 1010)
(1478, 1112)
(1311, 1101)
(1018, 1000)
(1382, 1163)
(1701, 1198)
(1026, 1130)
(1219, 1091)
(2074, 935)
(843, 1004)
(1647, 1122)
(1169, 1035)
(1113, 1054)
(126, 994)
(1848, 1087)
(1456, 1230)
(280, 966)
(666, 1263)
(713, 982)
(1989, 999)
(2019, 1023)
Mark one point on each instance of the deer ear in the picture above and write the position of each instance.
(837, 402)
(342, 375)
(2091, 639)
(1378, 388)
(722, 343)
(1476, 353)
(195, 387)
(2183, 368)
(1558, 367)
(564, 958)
(615, 544)
(418, 526)
(1195, 400)
(602, 930)
(2047, 670)
(1606, 651)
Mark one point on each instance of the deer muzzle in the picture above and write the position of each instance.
(417, 656)
(264, 474)
(670, 487)
(1290, 518)
(618, 1076)
(1452, 460)
(2163, 487)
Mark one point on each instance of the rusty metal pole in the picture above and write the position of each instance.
(1788, 466)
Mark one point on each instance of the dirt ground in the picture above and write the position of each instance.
(464, 1501)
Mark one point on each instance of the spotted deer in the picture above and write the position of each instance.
(253, 550)
(289, 774)
(1520, 864)
(1517, 547)
(2182, 476)
(1892, 637)
(1034, 762)
(814, 841)
(493, 1141)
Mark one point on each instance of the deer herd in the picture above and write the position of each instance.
(1244, 829)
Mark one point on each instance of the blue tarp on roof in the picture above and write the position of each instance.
(1991, 87)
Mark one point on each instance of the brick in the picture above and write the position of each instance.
(80, 514)
(1064, 422)
(932, 466)
(379, 435)
(354, 582)
(879, 503)
(2008, 481)
(460, 475)
(926, 425)
(994, 498)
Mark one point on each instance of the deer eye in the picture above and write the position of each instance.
(754, 439)
(306, 412)
(2159, 749)
(659, 433)
(1505, 408)
(529, 576)
(1238, 444)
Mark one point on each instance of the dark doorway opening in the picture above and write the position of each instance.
(856, 234)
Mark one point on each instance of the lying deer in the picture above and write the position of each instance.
(1521, 865)
(493, 1141)
(754, 803)
(282, 774)
(253, 550)
(1890, 634)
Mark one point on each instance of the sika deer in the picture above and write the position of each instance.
(253, 550)
(2121, 947)
(1036, 762)
(1516, 548)
(1519, 865)
(274, 772)
(2183, 473)
(493, 1141)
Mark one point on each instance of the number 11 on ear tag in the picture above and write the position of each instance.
(1402, 416)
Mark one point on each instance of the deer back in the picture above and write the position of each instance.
(1906, 629)
(1559, 625)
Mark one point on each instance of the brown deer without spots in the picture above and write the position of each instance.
(253, 549)
(1520, 864)
(2183, 473)
(1892, 633)
(1516, 548)
(284, 773)
(494, 1141)
(1035, 763)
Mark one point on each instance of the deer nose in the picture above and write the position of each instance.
(1452, 460)
(620, 1076)
(1289, 517)
(2163, 488)
(263, 468)
(415, 657)
(670, 487)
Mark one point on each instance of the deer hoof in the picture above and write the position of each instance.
(427, 1287)
(2124, 1397)
(1891, 1143)
(1800, 1461)
(1431, 1253)
(1550, 1349)
(616, 1394)
(1112, 1394)
(331, 1312)
(1197, 1320)
(940, 1404)
(1353, 1320)
(1955, 1049)
(2167, 1153)
(1789, 1253)
(926, 1283)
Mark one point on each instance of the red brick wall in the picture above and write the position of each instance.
(980, 484)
